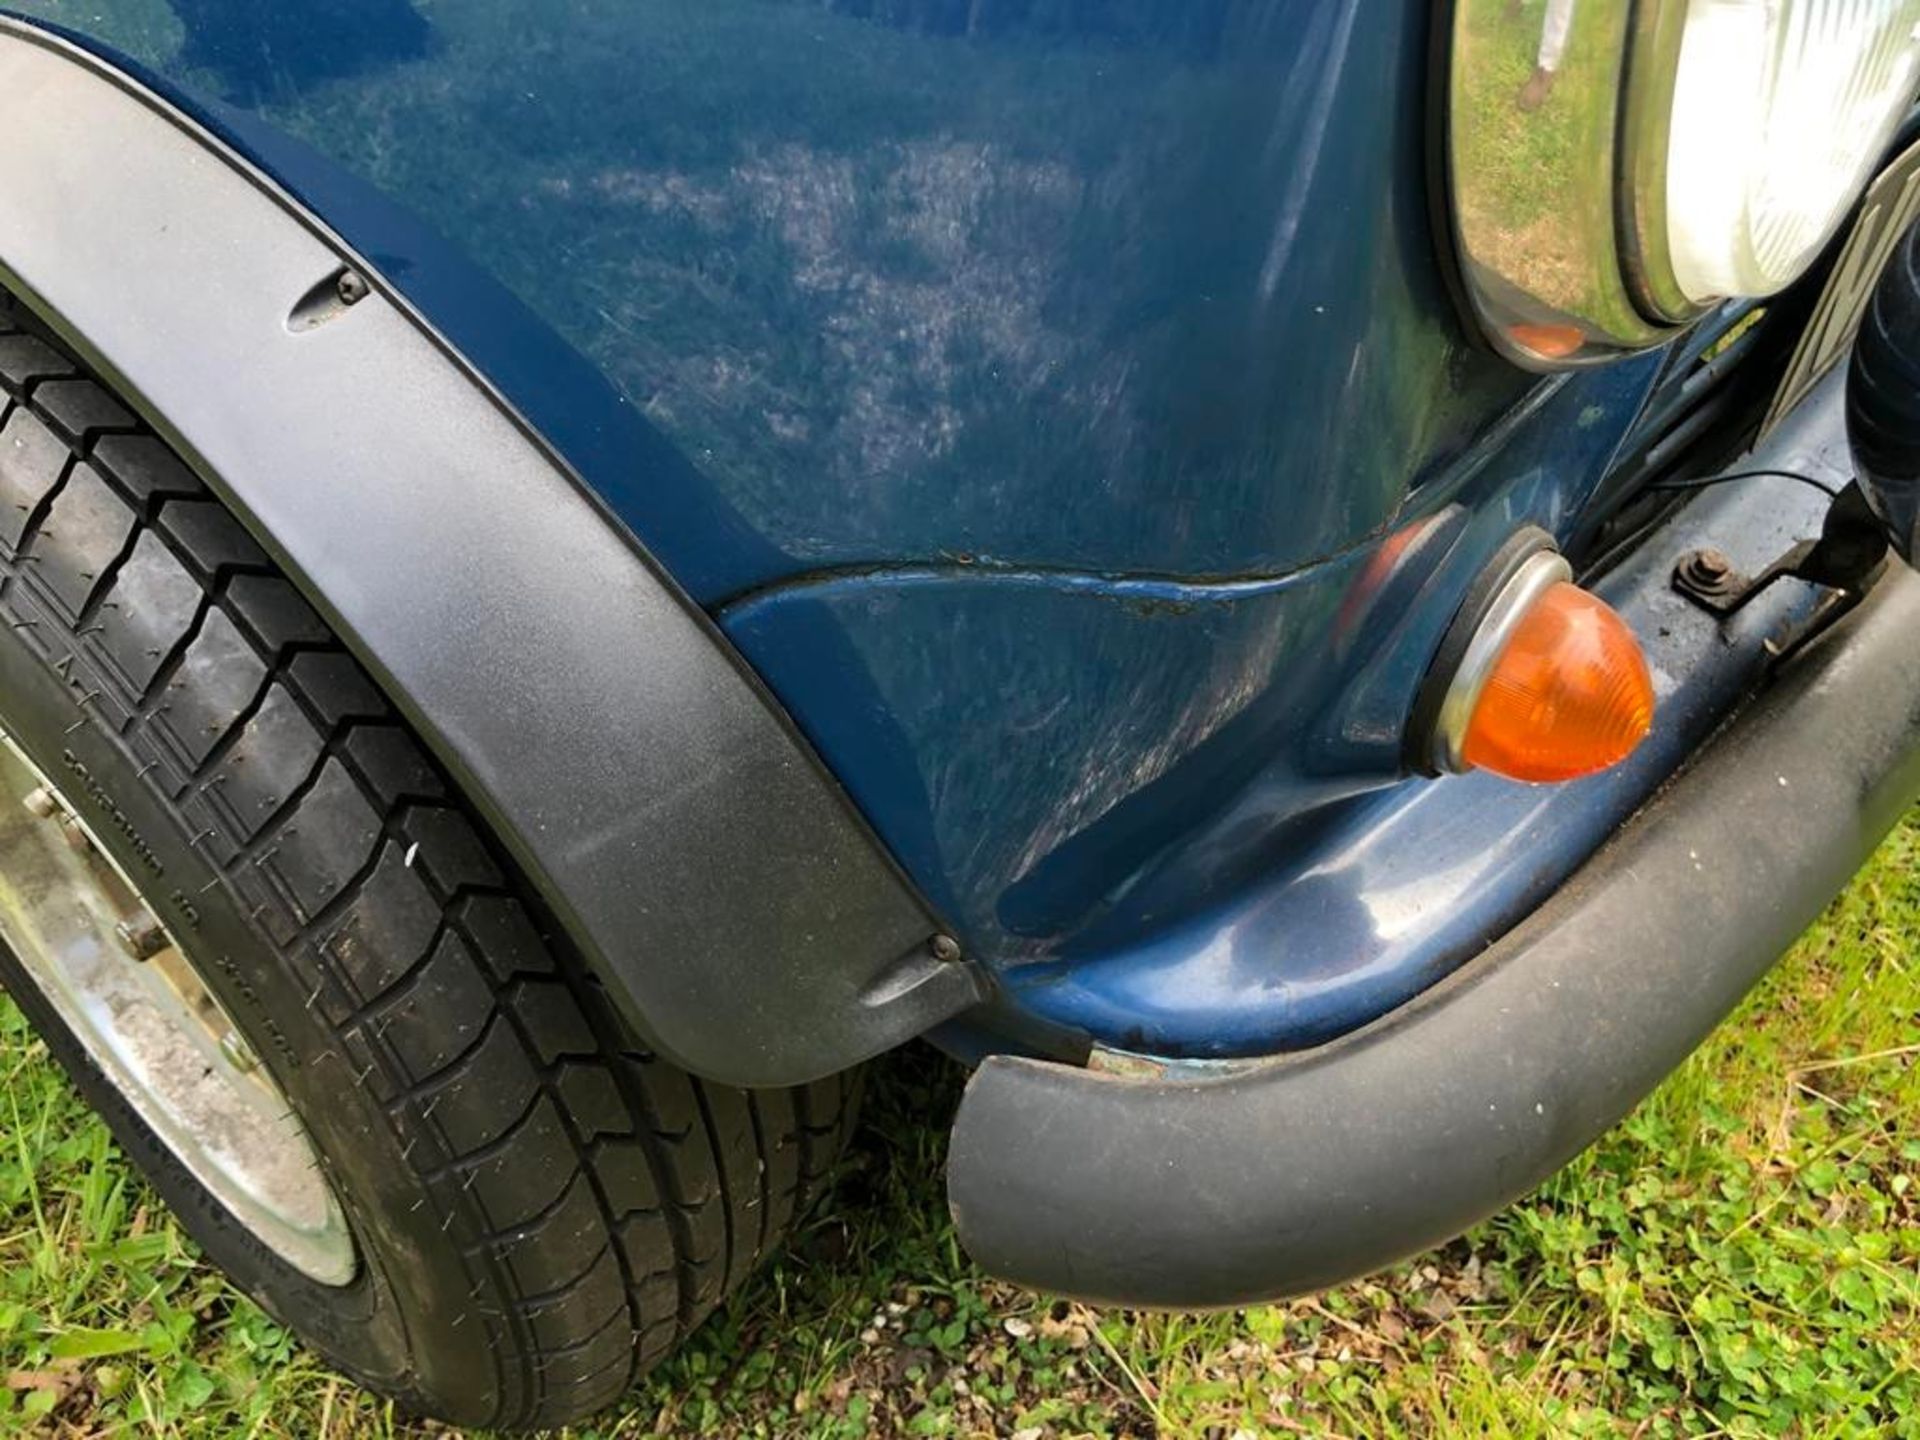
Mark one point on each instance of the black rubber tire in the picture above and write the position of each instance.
(541, 1208)
(1883, 397)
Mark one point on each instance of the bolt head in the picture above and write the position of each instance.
(944, 947)
(350, 288)
(42, 802)
(142, 938)
(1706, 570)
(1712, 564)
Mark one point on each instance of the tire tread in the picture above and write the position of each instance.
(590, 1183)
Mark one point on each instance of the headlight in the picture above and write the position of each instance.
(1618, 166)
(1779, 111)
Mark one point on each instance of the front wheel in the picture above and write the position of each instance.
(271, 945)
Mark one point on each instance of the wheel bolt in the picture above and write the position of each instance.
(142, 938)
(237, 1053)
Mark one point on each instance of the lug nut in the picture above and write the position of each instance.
(237, 1053)
(142, 938)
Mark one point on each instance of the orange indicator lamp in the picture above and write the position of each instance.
(1538, 681)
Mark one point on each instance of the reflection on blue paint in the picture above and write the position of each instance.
(252, 50)
(1134, 285)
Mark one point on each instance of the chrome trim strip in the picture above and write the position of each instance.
(1537, 574)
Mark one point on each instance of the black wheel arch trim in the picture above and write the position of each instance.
(1286, 1176)
(711, 870)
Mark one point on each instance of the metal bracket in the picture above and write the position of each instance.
(1845, 561)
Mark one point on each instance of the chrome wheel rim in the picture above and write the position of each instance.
(133, 998)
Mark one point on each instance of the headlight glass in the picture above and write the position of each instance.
(1780, 109)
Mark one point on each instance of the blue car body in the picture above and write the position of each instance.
(1059, 404)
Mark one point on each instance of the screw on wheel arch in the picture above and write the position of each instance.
(264, 934)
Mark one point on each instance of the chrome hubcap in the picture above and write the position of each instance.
(126, 989)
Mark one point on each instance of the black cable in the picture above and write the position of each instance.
(1820, 485)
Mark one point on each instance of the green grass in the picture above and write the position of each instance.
(1740, 1257)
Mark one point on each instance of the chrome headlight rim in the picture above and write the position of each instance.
(1646, 123)
(1509, 271)
(1609, 286)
